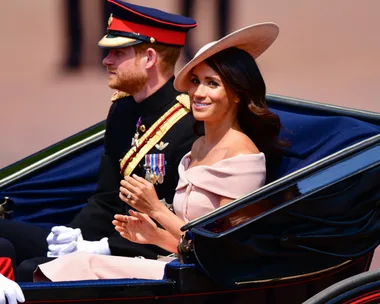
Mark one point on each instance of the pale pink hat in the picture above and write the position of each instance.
(254, 39)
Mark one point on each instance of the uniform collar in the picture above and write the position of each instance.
(158, 100)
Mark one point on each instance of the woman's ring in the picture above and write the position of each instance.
(129, 196)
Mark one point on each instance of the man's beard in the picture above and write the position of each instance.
(130, 82)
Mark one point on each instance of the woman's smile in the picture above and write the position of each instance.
(200, 105)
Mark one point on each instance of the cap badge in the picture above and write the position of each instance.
(110, 20)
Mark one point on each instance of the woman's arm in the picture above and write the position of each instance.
(140, 228)
(167, 241)
(171, 222)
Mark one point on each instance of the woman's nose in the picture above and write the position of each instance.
(200, 91)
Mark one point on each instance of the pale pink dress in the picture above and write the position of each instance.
(198, 192)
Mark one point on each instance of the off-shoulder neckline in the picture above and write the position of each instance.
(255, 155)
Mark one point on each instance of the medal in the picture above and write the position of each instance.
(153, 178)
(153, 174)
(155, 168)
(148, 167)
(161, 167)
(135, 139)
(147, 174)
(160, 178)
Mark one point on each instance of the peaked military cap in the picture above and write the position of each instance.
(130, 24)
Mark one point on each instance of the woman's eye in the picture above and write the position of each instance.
(213, 83)
(194, 81)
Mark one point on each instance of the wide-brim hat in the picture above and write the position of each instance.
(254, 39)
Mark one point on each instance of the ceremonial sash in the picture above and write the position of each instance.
(152, 136)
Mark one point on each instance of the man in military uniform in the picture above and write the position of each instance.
(148, 131)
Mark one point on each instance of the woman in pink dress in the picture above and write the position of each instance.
(227, 94)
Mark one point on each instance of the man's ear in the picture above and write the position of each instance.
(151, 58)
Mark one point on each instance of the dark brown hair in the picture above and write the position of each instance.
(239, 71)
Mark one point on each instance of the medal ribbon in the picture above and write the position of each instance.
(161, 163)
(148, 161)
(154, 163)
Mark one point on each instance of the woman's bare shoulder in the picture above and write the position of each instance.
(242, 145)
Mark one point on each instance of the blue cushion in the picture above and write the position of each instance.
(313, 137)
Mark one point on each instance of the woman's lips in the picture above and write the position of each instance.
(200, 105)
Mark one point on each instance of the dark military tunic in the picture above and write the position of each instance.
(95, 219)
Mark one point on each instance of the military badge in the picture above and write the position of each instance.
(161, 146)
(135, 139)
(110, 19)
(155, 168)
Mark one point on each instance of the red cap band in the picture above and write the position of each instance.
(161, 35)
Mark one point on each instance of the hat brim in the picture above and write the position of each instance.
(112, 42)
(254, 39)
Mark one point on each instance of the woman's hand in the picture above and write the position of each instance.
(139, 194)
(137, 228)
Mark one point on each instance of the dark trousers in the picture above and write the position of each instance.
(24, 271)
(28, 241)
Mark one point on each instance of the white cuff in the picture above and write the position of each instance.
(104, 247)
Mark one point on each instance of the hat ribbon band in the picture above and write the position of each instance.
(159, 34)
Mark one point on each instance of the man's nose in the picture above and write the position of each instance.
(107, 60)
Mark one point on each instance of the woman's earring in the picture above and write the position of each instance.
(237, 99)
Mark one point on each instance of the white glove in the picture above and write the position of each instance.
(98, 247)
(9, 290)
(63, 240)
(62, 235)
